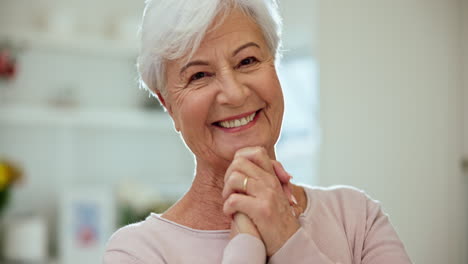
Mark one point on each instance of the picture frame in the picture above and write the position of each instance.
(87, 220)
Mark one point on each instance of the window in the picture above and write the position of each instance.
(299, 142)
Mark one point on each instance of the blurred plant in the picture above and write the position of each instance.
(137, 201)
(128, 215)
(9, 175)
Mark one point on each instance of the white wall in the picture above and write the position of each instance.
(299, 26)
(464, 45)
(465, 72)
(391, 115)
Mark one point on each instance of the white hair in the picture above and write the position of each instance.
(172, 29)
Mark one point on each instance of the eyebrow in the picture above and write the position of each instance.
(250, 44)
(193, 63)
(204, 63)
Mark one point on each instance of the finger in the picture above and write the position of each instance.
(257, 155)
(297, 211)
(251, 170)
(243, 165)
(239, 203)
(281, 173)
(252, 207)
(238, 182)
(290, 186)
(284, 178)
(287, 192)
(245, 225)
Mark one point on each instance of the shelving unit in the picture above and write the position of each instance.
(92, 144)
(71, 43)
(86, 118)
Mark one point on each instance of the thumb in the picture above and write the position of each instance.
(283, 176)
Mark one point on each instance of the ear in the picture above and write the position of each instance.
(169, 110)
(161, 99)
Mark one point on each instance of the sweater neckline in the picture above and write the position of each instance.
(222, 232)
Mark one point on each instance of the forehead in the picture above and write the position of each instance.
(234, 25)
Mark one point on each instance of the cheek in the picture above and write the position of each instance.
(271, 91)
(272, 94)
(192, 111)
(277, 93)
(277, 105)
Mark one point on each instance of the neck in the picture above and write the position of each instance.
(202, 206)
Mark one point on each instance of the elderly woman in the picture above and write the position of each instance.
(212, 64)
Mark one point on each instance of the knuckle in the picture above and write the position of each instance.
(226, 208)
(234, 175)
(258, 151)
(250, 152)
(242, 152)
(231, 201)
(266, 210)
(267, 206)
(230, 179)
(238, 162)
(277, 164)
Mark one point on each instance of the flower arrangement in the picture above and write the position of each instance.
(9, 176)
(8, 65)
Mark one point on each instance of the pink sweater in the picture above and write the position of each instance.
(340, 225)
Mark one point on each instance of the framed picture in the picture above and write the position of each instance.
(87, 220)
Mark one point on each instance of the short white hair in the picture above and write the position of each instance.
(172, 29)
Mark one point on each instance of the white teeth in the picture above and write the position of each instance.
(238, 122)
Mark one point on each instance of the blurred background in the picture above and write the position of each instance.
(376, 97)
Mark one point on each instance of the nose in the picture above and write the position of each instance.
(232, 92)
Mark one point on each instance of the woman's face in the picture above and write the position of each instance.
(227, 96)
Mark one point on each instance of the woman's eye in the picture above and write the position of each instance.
(247, 61)
(198, 76)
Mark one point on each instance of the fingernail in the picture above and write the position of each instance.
(293, 199)
(293, 211)
(290, 176)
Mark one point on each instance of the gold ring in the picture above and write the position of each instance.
(246, 179)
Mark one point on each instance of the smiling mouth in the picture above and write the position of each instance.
(234, 123)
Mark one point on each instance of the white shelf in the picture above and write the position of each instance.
(86, 118)
(71, 43)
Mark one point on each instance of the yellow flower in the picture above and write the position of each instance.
(3, 176)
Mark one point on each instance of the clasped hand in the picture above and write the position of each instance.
(262, 205)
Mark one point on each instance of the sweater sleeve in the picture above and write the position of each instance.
(381, 242)
(300, 249)
(244, 248)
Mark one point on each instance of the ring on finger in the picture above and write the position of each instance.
(244, 185)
